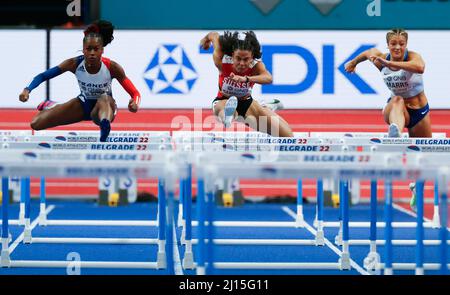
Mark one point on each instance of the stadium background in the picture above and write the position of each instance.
(157, 43)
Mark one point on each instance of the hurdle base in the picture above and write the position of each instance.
(299, 220)
(436, 223)
(42, 220)
(188, 260)
(320, 238)
(299, 223)
(5, 260)
(344, 261)
(161, 260)
(372, 261)
(27, 237)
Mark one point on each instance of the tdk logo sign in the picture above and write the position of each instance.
(330, 68)
(170, 71)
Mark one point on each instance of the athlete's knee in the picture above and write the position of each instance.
(104, 99)
(37, 123)
(398, 100)
(217, 108)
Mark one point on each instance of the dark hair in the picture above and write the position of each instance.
(100, 29)
(396, 31)
(230, 42)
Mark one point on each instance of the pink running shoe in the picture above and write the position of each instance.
(46, 104)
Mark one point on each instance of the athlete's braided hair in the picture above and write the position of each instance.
(233, 41)
(396, 31)
(100, 29)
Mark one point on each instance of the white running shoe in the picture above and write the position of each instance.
(273, 104)
(394, 131)
(230, 108)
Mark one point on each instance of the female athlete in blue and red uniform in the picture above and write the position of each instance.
(237, 57)
(94, 74)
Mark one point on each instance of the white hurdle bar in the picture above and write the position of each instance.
(89, 164)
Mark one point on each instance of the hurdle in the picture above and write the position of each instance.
(77, 146)
(42, 216)
(319, 237)
(190, 155)
(302, 144)
(375, 140)
(90, 142)
(88, 164)
(398, 147)
(378, 167)
(80, 140)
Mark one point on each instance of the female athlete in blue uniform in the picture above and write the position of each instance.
(94, 74)
(402, 73)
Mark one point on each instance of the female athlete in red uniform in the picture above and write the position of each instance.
(94, 74)
(237, 57)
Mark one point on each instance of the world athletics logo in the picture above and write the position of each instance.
(170, 71)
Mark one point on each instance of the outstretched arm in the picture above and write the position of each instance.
(415, 64)
(118, 73)
(369, 54)
(213, 38)
(67, 65)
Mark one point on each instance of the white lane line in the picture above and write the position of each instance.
(33, 225)
(411, 213)
(176, 255)
(327, 242)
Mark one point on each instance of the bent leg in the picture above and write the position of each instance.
(105, 108)
(63, 114)
(395, 112)
(219, 109)
(265, 120)
(103, 114)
